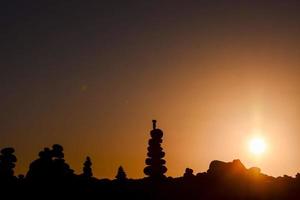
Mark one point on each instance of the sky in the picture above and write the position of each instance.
(91, 75)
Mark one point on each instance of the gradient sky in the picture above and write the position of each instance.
(91, 75)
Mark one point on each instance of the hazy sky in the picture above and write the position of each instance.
(91, 75)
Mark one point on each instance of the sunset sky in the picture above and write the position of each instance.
(91, 75)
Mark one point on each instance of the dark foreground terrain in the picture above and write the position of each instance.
(50, 177)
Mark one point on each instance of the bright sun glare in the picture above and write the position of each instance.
(257, 146)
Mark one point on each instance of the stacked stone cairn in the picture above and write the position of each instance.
(155, 168)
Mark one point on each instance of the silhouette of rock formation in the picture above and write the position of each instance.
(155, 168)
(87, 168)
(60, 167)
(7, 163)
(49, 165)
(218, 167)
(188, 173)
(121, 175)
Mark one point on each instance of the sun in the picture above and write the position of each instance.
(257, 145)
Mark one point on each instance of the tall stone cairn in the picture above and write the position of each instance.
(155, 168)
